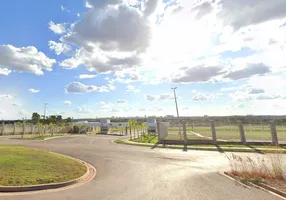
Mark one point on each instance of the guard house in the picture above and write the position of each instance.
(104, 129)
(152, 125)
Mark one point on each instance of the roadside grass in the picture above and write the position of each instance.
(257, 169)
(42, 137)
(20, 166)
(222, 146)
(147, 138)
(46, 136)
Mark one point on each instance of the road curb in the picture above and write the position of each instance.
(258, 185)
(88, 176)
(126, 142)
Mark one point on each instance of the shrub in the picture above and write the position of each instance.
(247, 168)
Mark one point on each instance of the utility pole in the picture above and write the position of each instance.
(45, 110)
(174, 89)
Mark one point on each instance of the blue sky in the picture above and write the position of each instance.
(99, 58)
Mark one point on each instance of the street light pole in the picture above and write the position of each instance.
(174, 89)
(45, 110)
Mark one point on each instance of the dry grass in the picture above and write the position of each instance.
(256, 169)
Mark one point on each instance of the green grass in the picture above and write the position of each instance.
(211, 147)
(232, 133)
(42, 137)
(146, 138)
(21, 166)
(181, 137)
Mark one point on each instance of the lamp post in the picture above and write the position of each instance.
(174, 90)
(45, 110)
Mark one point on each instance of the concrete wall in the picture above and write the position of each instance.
(11, 129)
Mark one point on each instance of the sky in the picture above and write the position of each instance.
(103, 58)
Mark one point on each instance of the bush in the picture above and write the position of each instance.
(268, 167)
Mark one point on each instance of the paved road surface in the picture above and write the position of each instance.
(139, 173)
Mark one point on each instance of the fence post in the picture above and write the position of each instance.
(2, 131)
(14, 129)
(241, 132)
(185, 132)
(273, 133)
(213, 132)
(158, 130)
(32, 128)
(24, 129)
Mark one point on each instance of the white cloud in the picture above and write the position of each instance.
(160, 97)
(149, 97)
(83, 109)
(226, 89)
(64, 9)
(2, 112)
(86, 76)
(102, 103)
(23, 112)
(255, 91)
(87, 5)
(155, 109)
(202, 97)
(240, 96)
(250, 12)
(33, 90)
(268, 97)
(165, 97)
(250, 70)
(25, 59)
(5, 71)
(115, 110)
(121, 101)
(68, 103)
(57, 28)
(142, 110)
(77, 88)
(132, 88)
(196, 74)
(5, 96)
(59, 48)
(104, 46)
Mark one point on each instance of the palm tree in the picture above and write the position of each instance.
(52, 127)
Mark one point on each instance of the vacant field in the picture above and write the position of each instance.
(256, 132)
(24, 166)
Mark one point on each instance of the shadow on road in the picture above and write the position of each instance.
(219, 148)
(155, 145)
(256, 150)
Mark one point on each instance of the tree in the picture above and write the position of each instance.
(68, 120)
(36, 118)
(59, 119)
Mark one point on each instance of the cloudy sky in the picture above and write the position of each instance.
(98, 58)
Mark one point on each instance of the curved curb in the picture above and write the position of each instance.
(88, 176)
(258, 185)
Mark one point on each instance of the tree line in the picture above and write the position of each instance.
(52, 119)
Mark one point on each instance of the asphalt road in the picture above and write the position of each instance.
(141, 173)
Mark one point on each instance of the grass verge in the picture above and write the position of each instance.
(257, 169)
(151, 140)
(269, 170)
(20, 166)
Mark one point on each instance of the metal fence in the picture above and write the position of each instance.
(208, 131)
